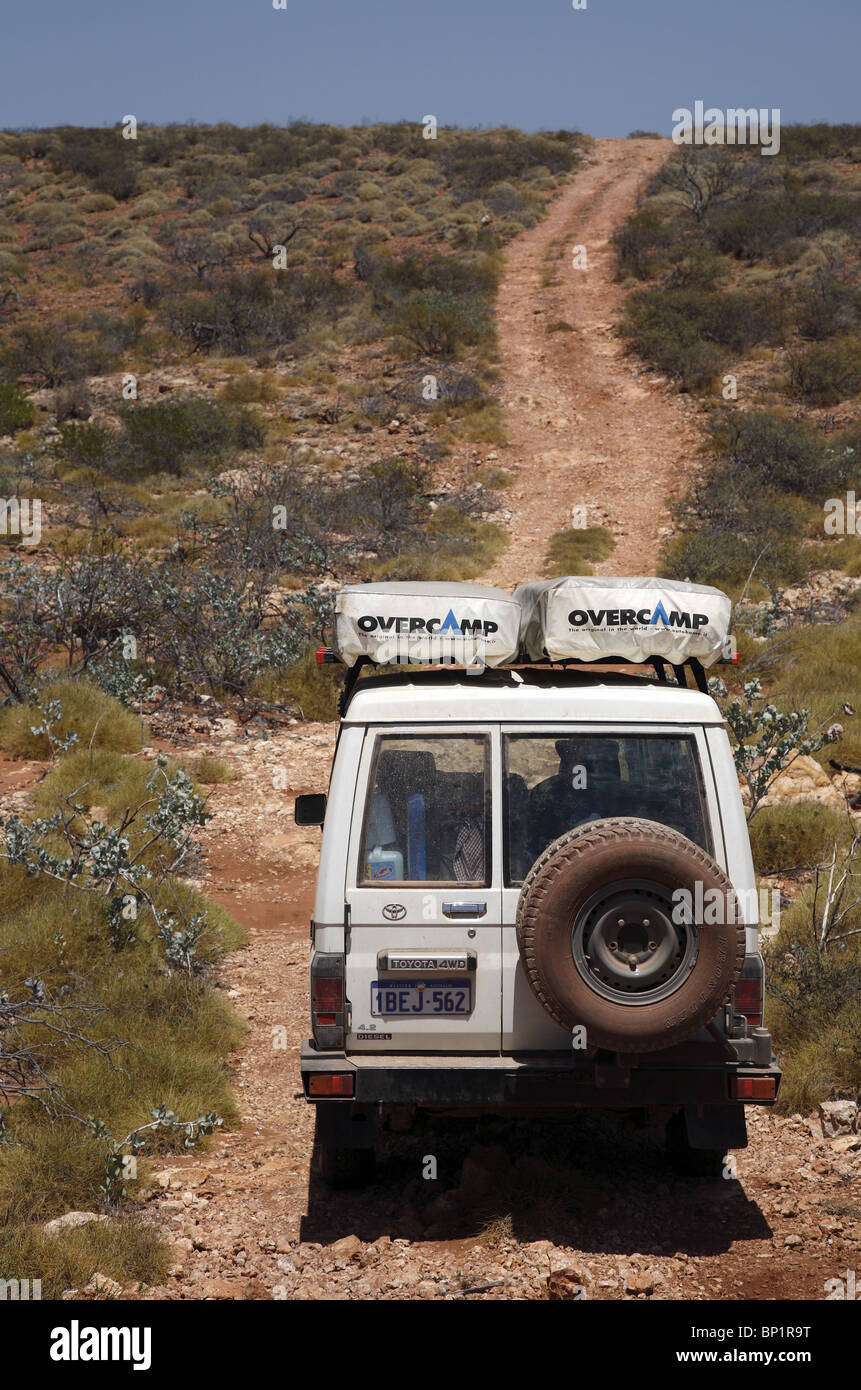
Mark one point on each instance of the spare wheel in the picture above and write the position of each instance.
(606, 946)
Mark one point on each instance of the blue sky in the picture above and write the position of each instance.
(613, 67)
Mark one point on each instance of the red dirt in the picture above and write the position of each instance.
(247, 1217)
(250, 1220)
(588, 428)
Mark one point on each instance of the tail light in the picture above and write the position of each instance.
(749, 991)
(328, 1002)
(753, 1087)
(332, 1083)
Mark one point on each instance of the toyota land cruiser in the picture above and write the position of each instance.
(535, 889)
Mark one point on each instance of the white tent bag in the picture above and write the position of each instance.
(590, 618)
(426, 624)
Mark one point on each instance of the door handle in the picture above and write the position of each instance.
(460, 910)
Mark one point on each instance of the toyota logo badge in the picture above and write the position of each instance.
(394, 912)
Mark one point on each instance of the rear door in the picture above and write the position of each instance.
(424, 893)
(556, 777)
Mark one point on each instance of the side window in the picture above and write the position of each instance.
(427, 818)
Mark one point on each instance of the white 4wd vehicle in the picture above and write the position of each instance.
(535, 888)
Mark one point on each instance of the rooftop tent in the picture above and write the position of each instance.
(426, 623)
(595, 617)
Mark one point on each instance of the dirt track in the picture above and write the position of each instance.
(513, 1204)
(587, 427)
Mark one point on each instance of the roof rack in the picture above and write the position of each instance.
(326, 656)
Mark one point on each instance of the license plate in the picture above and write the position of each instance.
(407, 998)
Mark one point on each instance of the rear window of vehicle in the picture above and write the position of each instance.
(555, 782)
(427, 818)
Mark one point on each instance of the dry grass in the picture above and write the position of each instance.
(208, 770)
(164, 1039)
(570, 552)
(98, 720)
(127, 1251)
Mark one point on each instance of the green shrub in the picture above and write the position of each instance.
(68, 348)
(746, 508)
(251, 388)
(477, 160)
(724, 557)
(98, 720)
(127, 1251)
(569, 552)
(45, 214)
(829, 304)
(313, 688)
(813, 1004)
(641, 243)
(102, 156)
(462, 548)
(149, 205)
(494, 478)
(258, 310)
(481, 424)
(72, 402)
(67, 233)
(10, 265)
(817, 668)
(83, 445)
(695, 267)
(735, 320)
(440, 324)
(827, 373)
(165, 436)
(763, 224)
(820, 141)
(796, 835)
(16, 412)
(98, 202)
(504, 200)
(660, 330)
(174, 1037)
(111, 781)
(844, 554)
(774, 451)
(208, 770)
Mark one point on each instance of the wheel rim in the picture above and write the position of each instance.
(628, 948)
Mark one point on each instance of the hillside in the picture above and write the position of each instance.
(239, 367)
(358, 357)
(745, 290)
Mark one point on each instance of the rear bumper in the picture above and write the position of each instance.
(539, 1079)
